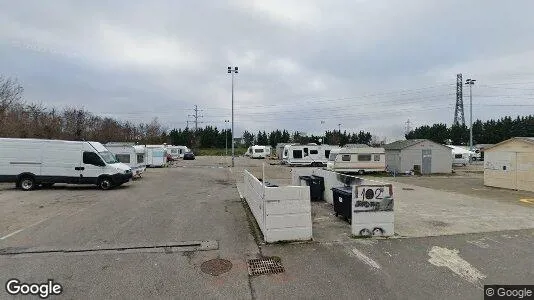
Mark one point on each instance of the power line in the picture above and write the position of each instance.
(196, 116)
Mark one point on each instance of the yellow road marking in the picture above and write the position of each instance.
(529, 201)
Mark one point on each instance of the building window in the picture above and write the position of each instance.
(123, 158)
(297, 153)
(377, 157)
(326, 153)
(140, 158)
(345, 157)
(305, 151)
(364, 157)
(314, 152)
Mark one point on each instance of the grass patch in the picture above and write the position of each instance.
(220, 152)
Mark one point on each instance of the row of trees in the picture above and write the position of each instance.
(488, 132)
(22, 120)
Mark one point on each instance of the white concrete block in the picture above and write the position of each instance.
(277, 207)
(373, 217)
(287, 192)
(288, 221)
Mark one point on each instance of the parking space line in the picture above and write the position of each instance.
(364, 258)
(22, 229)
(528, 200)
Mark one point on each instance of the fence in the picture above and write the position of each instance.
(282, 213)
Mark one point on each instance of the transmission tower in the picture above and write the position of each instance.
(196, 116)
(459, 118)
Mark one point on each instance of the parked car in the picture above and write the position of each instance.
(189, 155)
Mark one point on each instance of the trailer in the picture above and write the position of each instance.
(129, 154)
(156, 156)
(30, 163)
(249, 151)
(307, 155)
(258, 151)
(358, 160)
(460, 155)
(176, 152)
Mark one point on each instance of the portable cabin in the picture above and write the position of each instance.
(307, 155)
(418, 155)
(510, 164)
(258, 151)
(359, 160)
(126, 153)
(156, 156)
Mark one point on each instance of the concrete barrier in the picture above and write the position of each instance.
(282, 213)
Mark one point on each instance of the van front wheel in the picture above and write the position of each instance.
(105, 183)
(27, 183)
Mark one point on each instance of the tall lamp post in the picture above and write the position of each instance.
(470, 82)
(233, 71)
(226, 136)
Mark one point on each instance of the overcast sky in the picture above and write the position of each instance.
(305, 65)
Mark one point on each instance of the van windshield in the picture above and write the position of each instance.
(108, 157)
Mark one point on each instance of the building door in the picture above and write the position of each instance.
(426, 167)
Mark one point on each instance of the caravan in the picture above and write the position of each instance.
(307, 155)
(460, 155)
(129, 154)
(176, 152)
(156, 156)
(33, 162)
(359, 160)
(260, 151)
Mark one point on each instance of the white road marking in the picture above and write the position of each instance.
(22, 229)
(370, 262)
(443, 257)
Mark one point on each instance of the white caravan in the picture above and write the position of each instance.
(249, 151)
(32, 162)
(176, 151)
(460, 155)
(357, 160)
(156, 156)
(307, 155)
(260, 151)
(129, 154)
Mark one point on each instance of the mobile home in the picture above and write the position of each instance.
(176, 151)
(257, 151)
(460, 155)
(33, 162)
(156, 156)
(307, 155)
(129, 154)
(249, 151)
(357, 160)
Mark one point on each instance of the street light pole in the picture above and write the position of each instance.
(470, 82)
(226, 136)
(233, 71)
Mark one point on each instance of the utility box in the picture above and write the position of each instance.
(372, 210)
(343, 201)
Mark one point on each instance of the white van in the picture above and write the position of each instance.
(129, 154)
(260, 151)
(307, 155)
(357, 160)
(156, 156)
(33, 162)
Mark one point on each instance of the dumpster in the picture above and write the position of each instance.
(316, 188)
(343, 201)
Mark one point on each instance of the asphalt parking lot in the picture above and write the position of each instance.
(149, 239)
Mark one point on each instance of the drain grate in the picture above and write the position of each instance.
(265, 265)
(216, 267)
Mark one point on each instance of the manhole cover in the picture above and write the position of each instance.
(266, 265)
(216, 267)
